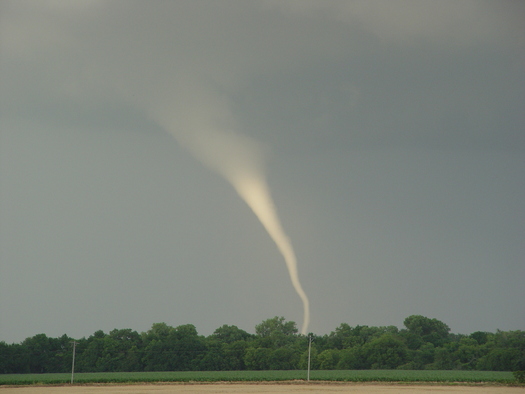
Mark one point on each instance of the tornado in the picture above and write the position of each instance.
(209, 133)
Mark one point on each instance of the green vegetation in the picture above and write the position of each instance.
(246, 376)
(520, 376)
(425, 345)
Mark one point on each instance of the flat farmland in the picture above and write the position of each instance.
(266, 388)
(343, 381)
(262, 376)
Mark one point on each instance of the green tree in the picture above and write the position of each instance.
(8, 356)
(257, 359)
(481, 337)
(353, 358)
(430, 330)
(467, 354)
(499, 359)
(234, 355)
(503, 351)
(338, 339)
(283, 358)
(328, 359)
(345, 337)
(89, 351)
(120, 352)
(172, 349)
(158, 331)
(443, 359)
(424, 355)
(229, 334)
(159, 348)
(47, 355)
(413, 340)
(214, 358)
(314, 358)
(385, 352)
(4, 354)
(276, 332)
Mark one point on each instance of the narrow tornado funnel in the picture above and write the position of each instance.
(210, 137)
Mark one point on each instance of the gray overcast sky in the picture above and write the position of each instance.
(394, 134)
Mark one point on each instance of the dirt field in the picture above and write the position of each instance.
(224, 388)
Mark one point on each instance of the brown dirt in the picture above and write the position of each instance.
(266, 388)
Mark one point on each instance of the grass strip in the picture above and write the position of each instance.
(262, 376)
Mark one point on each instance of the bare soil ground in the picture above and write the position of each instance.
(266, 388)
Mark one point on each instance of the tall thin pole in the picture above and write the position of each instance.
(73, 362)
(309, 352)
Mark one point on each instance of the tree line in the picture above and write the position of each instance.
(423, 343)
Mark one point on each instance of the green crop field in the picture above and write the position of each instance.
(246, 376)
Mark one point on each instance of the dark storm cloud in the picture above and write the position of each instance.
(395, 132)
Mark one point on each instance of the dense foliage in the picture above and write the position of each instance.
(369, 375)
(424, 344)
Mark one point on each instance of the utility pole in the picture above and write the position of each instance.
(309, 352)
(73, 362)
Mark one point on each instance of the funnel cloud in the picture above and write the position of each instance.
(209, 135)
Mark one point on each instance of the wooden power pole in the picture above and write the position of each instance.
(73, 362)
